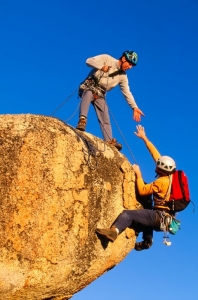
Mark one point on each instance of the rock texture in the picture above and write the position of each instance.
(56, 186)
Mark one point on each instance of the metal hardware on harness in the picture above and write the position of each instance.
(166, 219)
(91, 84)
(166, 241)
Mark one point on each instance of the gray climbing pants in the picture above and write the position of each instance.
(101, 110)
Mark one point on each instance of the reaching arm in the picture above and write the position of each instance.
(124, 86)
(99, 62)
(141, 134)
(137, 113)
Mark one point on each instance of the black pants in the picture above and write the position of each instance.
(143, 220)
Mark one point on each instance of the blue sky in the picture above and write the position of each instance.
(44, 45)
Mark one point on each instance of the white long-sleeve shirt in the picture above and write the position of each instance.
(97, 62)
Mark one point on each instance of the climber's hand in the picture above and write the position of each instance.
(137, 113)
(106, 68)
(137, 171)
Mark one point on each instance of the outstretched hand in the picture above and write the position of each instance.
(140, 132)
(137, 113)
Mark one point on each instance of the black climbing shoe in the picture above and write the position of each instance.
(143, 245)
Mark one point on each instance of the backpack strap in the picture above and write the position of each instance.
(170, 177)
(161, 203)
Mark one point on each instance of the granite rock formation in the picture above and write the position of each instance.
(56, 186)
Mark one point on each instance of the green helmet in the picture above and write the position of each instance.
(131, 56)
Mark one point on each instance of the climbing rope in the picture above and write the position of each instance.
(105, 99)
(74, 112)
(123, 137)
(105, 102)
(63, 103)
(90, 151)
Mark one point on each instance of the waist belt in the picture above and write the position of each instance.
(162, 210)
(91, 85)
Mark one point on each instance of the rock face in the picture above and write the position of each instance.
(56, 186)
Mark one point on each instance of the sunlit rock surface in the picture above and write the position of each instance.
(56, 186)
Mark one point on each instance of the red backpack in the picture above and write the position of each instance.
(180, 194)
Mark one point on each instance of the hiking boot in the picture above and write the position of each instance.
(114, 143)
(111, 234)
(143, 245)
(81, 124)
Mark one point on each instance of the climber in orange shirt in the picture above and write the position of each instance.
(146, 220)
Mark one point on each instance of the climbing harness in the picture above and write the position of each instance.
(92, 84)
(166, 219)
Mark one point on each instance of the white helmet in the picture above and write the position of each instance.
(166, 164)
